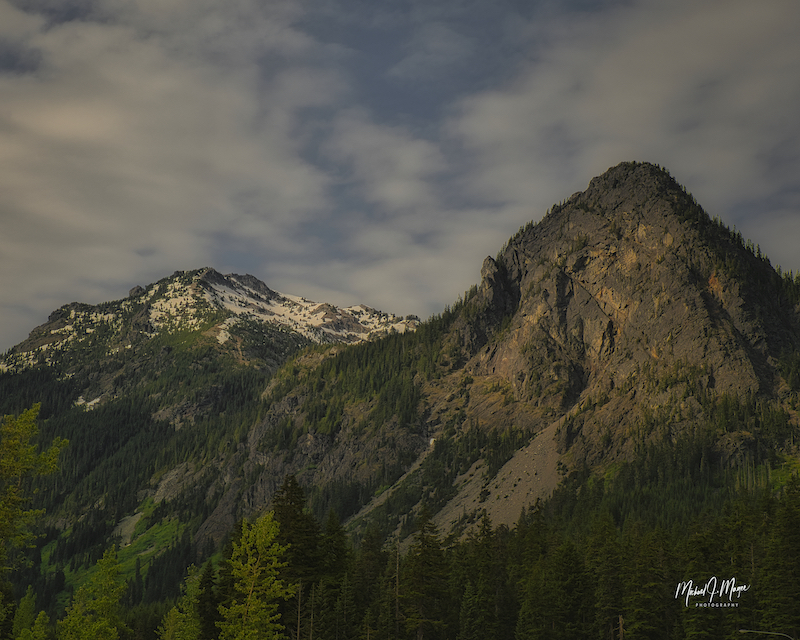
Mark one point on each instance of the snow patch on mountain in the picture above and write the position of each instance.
(247, 297)
(191, 301)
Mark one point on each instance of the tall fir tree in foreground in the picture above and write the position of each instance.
(95, 612)
(256, 564)
(183, 621)
(425, 591)
(20, 461)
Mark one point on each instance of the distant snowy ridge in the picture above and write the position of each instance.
(247, 297)
(193, 300)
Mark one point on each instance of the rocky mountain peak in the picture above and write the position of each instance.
(622, 297)
(203, 301)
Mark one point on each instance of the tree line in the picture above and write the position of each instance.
(284, 575)
(602, 558)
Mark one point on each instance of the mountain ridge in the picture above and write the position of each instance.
(188, 299)
(625, 327)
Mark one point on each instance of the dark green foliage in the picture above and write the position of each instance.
(208, 603)
(481, 583)
(789, 365)
(121, 442)
(381, 373)
(302, 534)
(648, 580)
(165, 572)
(571, 568)
(424, 594)
(558, 600)
(40, 385)
(782, 565)
(300, 530)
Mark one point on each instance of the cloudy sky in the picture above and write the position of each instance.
(355, 151)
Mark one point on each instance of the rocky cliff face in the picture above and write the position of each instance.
(609, 323)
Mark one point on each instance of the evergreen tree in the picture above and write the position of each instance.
(780, 589)
(387, 617)
(574, 596)
(471, 615)
(531, 623)
(19, 462)
(183, 622)
(25, 615)
(256, 562)
(208, 603)
(558, 601)
(478, 574)
(333, 609)
(603, 559)
(334, 548)
(346, 617)
(649, 585)
(369, 565)
(424, 592)
(300, 533)
(135, 586)
(39, 631)
(95, 610)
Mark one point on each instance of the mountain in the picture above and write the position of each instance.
(625, 346)
(237, 318)
(222, 305)
(625, 318)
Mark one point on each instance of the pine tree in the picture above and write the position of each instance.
(208, 603)
(300, 533)
(25, 616)
(649, 584)
(387, 617)
(334, 548)
(183, 622)
(603, 559)
(346, 618)
(39, 631)
(424, 592)
(19, 461)
(471, 615)
(779, 587)
(95, 610)
(479, 571)
(256, 563)
(369, 565)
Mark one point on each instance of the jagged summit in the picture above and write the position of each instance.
(246, 296)
(618, 296)
(200, 300)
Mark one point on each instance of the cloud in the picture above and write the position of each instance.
(356, 152)
(392, 167)
(433, 50)
(686, 85)
(141, 135)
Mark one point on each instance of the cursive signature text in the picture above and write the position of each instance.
(714, 593)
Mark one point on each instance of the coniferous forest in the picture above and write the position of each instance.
(601, 560)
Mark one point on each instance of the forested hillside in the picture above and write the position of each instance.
(611, 412)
